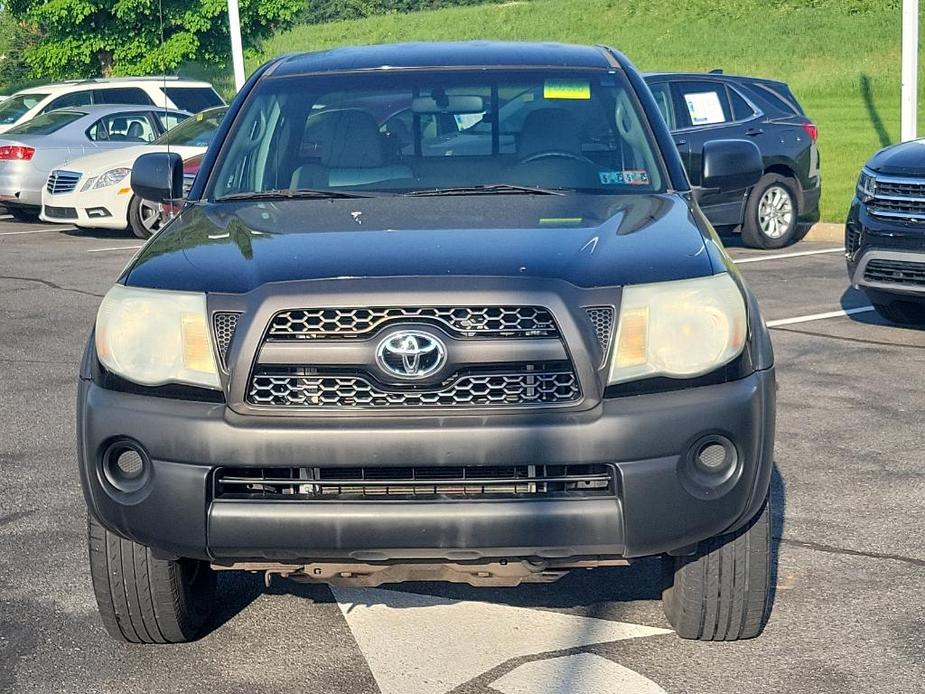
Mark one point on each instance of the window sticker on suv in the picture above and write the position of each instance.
(705, 108)
(567, 89)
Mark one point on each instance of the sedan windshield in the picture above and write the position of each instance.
(195, 131)
(18, 105)
(487, 132)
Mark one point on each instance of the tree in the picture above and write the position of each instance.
(88, 38)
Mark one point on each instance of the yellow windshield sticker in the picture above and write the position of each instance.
(566, 89)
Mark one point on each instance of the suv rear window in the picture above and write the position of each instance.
(193, 99)
(14, 108)
(780, 96)
(425, 130)
(46, 123)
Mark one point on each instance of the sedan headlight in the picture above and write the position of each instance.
(110, 178)
(678, 329)
(153, 337)
(867, 186)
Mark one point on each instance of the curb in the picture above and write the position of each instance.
(825, 231)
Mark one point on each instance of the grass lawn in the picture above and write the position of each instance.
(841, 57)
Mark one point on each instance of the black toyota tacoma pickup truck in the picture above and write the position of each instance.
(392, 336)
(885, 233)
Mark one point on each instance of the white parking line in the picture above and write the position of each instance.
(780, 256)
(114, 248)
(35, 231)
(819, 316)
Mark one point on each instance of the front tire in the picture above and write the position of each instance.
(722, 592)
(771, 213)
(143, 599)
(144, 217)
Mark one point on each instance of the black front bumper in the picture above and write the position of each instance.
(869, 238)
(657, 507)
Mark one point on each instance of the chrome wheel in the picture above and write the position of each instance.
(775, 212)
(150, 215)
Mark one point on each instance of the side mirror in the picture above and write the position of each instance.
(728, 165)
(158, 176)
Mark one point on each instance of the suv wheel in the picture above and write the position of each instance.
(771, 213)
(144, 217)
(902, 312)
(143, 599)
(722, 593)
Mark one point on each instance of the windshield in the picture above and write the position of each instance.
(196, 131)
(403, 132)
(18, 105)
(47, 123)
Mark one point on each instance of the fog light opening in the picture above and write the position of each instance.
(711, 467)
(126, 466)
(713, 456)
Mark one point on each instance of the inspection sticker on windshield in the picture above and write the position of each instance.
(624, 178)
(566, 89)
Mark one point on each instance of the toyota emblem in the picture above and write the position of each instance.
(411, 354)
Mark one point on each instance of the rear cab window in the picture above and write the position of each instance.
(47, 123)
(18, 105)
(404, 132)
(193, 99)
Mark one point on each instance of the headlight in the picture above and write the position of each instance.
(678, 329)
(153, 337)
(110, 178)
(867, 186)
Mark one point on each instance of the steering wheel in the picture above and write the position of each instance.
(560, 154)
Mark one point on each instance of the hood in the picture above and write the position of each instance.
(587, 240)
(123, 156)
(903, 159)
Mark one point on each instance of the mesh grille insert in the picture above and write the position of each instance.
(601, 318)
(223, 325)
(467, 321)
(895, 272)
(531, 385)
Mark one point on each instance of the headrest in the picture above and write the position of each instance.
(347, 138)
(549, 130)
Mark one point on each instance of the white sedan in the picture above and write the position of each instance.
(95, 192)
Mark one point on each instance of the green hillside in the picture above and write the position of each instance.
(841, 57)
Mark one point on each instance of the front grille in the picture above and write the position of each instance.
(528, 385)
(398, 483)
(60, 181)
(899, 199)
(464, 321)
(895, 272)
(60, 212)
(224, 324)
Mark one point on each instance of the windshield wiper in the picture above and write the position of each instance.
(494, 189)
(294, 194)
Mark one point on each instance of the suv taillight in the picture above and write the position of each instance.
(16, 153)
(812, 130)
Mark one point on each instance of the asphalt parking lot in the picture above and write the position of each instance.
(849, 528)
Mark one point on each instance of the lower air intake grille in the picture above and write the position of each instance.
(852, 239)
(294, 484)
(895, 272)
(531, 385)
(223, 325)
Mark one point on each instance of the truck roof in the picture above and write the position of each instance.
(451, 54)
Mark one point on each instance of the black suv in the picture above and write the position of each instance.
(885, 233)
(699, 108)
(369, 354)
